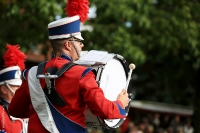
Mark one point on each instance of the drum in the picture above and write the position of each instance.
(111, 78)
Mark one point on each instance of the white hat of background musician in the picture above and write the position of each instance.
(13, 63)
(11, 75)
(77, 11)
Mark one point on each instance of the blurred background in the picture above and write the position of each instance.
(161, 37)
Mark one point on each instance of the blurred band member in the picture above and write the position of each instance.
(10, 81)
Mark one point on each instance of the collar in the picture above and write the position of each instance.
(62, 55)
(4, 102)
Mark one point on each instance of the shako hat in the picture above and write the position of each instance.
(13, 64)
(77, 11)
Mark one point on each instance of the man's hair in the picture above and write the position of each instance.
(58, 44)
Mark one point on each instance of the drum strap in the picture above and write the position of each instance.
(49, 76)
(64, 68)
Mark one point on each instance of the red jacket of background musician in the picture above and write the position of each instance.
(7, 125)
(78, 93)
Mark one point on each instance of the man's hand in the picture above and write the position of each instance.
(123, 97)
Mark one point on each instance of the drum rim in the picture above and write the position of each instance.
(125, 66)
(98, 76)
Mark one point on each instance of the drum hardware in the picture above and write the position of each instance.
(98, 82)
(123, 62)
(47, 76)
(121, 58)
(110, 120)
(99, 70)
(130, 96)
(95, 126)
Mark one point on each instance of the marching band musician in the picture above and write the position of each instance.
(59, 91)
(10, 81)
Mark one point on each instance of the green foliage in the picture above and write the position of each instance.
(25, 22)
(162, 39)
(160, 36)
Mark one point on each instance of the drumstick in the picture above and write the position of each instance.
(131, 66)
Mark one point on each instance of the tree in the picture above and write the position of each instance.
(160, 37)
(25, 22)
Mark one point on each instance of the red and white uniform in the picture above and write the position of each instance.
(78, 92)
(8, 124)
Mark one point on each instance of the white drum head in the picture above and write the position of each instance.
(113, 80)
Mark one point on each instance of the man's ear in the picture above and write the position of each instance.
(3, 89)
(67, 45)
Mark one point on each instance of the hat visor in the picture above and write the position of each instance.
(14, 82)
(78, 36)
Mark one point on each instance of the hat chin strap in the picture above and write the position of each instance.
(9, 88)
(78, 53)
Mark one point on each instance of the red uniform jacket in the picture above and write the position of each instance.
(7, 125)
(77, 92)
